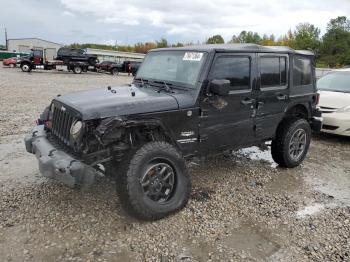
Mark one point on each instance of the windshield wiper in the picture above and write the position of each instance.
(144, 82)
(165, 86)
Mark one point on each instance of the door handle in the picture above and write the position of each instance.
(281, 97)
(247, 101)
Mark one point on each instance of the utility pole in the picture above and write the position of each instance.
(6, 38)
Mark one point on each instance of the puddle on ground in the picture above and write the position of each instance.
(326, 168)
(18, 166)
(248, 239)
(310, 210)
(286, 182)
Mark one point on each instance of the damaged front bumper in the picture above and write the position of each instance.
(57, 164)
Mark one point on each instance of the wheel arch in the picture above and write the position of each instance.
(298, 110)
(26, 62)
(147, 129)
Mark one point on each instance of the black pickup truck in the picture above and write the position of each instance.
(183, 102)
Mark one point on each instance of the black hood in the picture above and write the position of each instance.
(119, 101)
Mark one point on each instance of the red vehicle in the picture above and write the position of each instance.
(11, 62)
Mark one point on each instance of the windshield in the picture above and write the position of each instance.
(336, 82)
(180, 67)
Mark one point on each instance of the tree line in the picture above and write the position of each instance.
(332, 49)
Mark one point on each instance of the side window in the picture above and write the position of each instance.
(273, 71)
(63, 51)
(37, 53)
(74, 52)
(234, 69)
(302, 71)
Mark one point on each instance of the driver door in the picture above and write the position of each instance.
(37, 57)
(228, 121)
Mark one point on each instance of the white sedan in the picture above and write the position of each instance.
(334, 89)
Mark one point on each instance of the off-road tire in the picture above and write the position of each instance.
(134, 166)
(26, 67)
(77, 69)
(280, 145)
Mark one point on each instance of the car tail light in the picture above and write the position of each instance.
(317, 99)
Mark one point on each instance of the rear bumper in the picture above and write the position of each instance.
(57, 164)
(316, 121)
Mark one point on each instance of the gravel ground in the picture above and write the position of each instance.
(242, 208)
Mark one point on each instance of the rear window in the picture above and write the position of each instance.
(302, 71)
(273, 71)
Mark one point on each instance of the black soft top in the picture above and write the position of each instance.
(220, 48)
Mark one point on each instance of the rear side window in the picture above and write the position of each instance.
(273, 71)
(302, 71)
(234, 69)
(37, 53)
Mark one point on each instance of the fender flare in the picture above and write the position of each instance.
(107, 125)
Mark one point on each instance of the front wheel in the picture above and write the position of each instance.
(292, 141)
(26, 67)
(153, 182)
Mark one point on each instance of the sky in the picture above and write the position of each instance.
(131, 21)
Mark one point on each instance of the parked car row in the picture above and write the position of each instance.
(115, 68)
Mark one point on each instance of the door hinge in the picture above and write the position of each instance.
(203, 138)
(203, 113)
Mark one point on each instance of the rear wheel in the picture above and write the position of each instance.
(26, 67)
(115, 71)
(153, 182)
(292, 142)
(77, 70)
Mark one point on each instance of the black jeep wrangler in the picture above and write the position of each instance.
(183, 102)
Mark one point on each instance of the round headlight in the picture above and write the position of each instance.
(76, 128)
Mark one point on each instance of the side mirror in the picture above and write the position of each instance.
(220, 87)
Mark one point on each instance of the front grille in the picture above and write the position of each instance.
(59, 145)
(61, 123)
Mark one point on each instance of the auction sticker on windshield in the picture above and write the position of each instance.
(192, 56)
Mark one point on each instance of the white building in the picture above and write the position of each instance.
(24, 45)
(115, 56)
